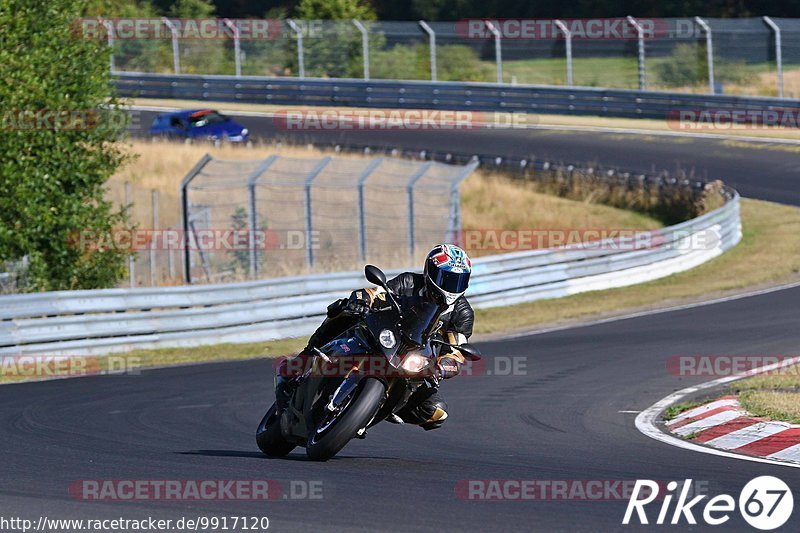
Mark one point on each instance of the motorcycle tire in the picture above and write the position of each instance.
(269, 437)
(355, 416)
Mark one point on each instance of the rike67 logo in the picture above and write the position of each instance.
(765, 503)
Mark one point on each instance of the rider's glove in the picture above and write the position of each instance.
(356, 307)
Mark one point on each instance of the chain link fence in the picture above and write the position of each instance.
(748, 56)
(289, 215)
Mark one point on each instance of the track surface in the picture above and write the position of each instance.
(561, 421)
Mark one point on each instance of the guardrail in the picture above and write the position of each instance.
(110, 320)
(486, 97)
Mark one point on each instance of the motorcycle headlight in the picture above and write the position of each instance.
(387, 339)
(414, 363)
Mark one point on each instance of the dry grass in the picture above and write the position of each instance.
(792, 80)
(767, 255)
(776, 405)
(774, 395)
(492, 202)
(766, 84)
(785, 378)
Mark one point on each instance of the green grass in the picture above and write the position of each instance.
(674, 410)
(621, 72)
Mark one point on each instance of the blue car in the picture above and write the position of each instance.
(199, 124)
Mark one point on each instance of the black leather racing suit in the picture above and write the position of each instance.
(425, 407)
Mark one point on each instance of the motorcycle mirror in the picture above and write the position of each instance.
(375, 275)
(469, 351)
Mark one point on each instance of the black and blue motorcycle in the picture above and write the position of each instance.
(361, 378)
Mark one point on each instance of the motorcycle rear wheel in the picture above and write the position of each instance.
(344, 426)
(269, 437)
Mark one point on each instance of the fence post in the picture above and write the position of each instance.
(187, 235)
(454, 221)
(640, 37)
(410, 192)
(236, 50)
(176, 57)
(710, 53)
(432, 46)
(170, 259)
(252, 181)
(568, 43)
(153, 240)
(301, 66)
(309, 228)
(364, 46)
(362, 226)
(110, 29)
(778, 53)
(131, 259)
(498, 52)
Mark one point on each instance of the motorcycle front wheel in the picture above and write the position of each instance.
(335, 429)
(269, 437)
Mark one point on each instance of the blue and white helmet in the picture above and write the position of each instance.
(447, 271)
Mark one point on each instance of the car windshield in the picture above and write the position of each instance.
(206, 118)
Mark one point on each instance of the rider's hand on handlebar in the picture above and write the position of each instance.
(356, 307)
(447, 367)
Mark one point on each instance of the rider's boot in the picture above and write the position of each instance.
(283, 392)
(286, 378)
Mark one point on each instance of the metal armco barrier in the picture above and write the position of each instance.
(103, 321)
(486, 97)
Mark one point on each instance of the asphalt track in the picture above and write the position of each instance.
(561, 420)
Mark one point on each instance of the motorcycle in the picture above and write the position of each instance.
(341, 394)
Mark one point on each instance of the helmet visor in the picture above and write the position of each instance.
(451, 282)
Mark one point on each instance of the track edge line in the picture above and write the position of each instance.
(646, 421)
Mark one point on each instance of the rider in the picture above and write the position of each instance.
(444, 281)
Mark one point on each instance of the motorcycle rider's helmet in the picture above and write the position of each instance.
(447, 271)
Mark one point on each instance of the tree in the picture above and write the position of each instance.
(58, 147)
(335, 10)
(188, 9)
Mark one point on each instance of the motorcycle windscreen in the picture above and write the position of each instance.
(419, 318)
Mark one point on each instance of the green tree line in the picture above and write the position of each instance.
(448, 10)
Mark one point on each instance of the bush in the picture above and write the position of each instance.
(688, 66)
(456, 62)
(671, 199)
(400, 62)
